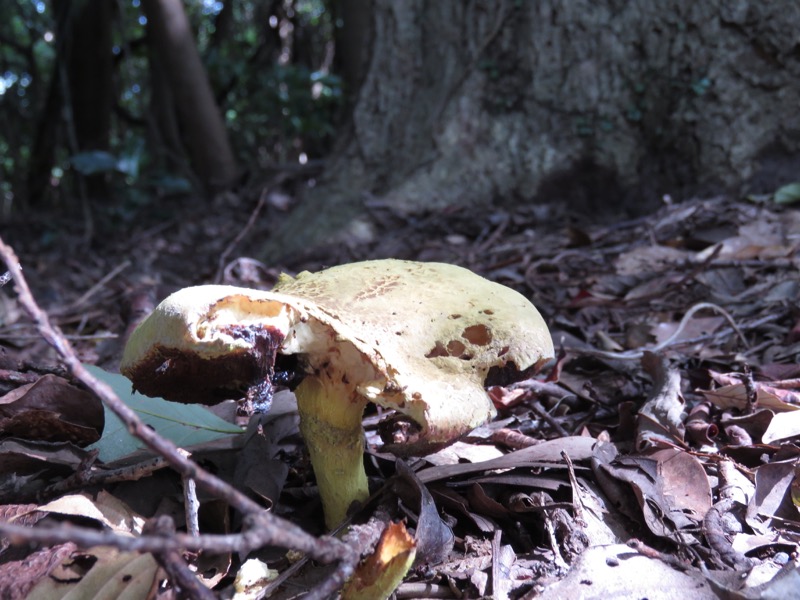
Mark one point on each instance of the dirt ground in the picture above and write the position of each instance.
(662, 440)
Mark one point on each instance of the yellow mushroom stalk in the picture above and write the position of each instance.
(335, 442)
(420, 339)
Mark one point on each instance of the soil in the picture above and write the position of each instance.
(651, 317)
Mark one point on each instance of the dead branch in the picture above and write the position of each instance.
(260, 528)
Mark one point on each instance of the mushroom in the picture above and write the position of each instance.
(421, 339)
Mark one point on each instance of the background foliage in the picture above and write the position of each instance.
(269, 64)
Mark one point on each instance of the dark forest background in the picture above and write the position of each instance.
(631, 167)
(112, 108)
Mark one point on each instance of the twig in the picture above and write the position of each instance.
(671, 340)
(174, 564)
(191, 503)
(260, 527)
(577, 503)
(540, 412)
(498, 576)
(97, 286)
(262, 199)
(423, 590)
(97, 477)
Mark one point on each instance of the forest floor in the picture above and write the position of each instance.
(657, 456)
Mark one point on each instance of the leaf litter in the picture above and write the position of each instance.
(665, 440)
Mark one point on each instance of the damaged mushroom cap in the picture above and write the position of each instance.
(419, 338)
(433, 332)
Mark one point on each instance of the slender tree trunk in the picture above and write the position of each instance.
(201, 125)
(354, 26)
(81, 83)
(45, 142)
(46, 138)
(89, 70)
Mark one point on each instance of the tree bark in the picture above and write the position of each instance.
(89, 70)
(81, 82)
(354, 18)
(595, 104)
(201, 125)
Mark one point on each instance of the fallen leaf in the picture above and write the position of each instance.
(461, 452)
(546, 454)
(184, 424)
(18, 577)
(433, 538)
(113, 575)
(105, 509)
(617, 571)
(693, 328)
(783, 426)
(51, 410)
(772, 498)
(670, 485)
(735, 396)
(787, 194)
(384, 569)
(27, 466)
(661, 418)
(452, 501)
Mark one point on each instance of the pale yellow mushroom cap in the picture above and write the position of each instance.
(420, 338)
(435, 330)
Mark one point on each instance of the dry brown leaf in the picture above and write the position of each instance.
(765, 238)
(383, 570)
(105, 509)
(661, 419)
(433, 538)
(546, 454)
(693, 328)
(18, 577)
(112, 575)
(650, 259)
(772, 498)
(26, 466)
(670, 485)
(483, 504)
(736, 396)
(51, 410)
(453, 502)
(783, 426)
(461, 452)
(616, 571)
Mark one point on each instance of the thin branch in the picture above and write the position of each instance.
(672, 340)
(175, 565)
(223, 258)
(262, 526)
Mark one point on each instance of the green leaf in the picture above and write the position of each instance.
(788, 194)
(167, 184)
(183, 424)
(93, 162)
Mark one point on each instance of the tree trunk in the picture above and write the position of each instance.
(89, 70)
(202, 128)
(597, 104)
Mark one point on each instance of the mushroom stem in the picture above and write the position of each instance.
(330, 421)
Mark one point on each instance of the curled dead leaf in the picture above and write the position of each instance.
(381, 572)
